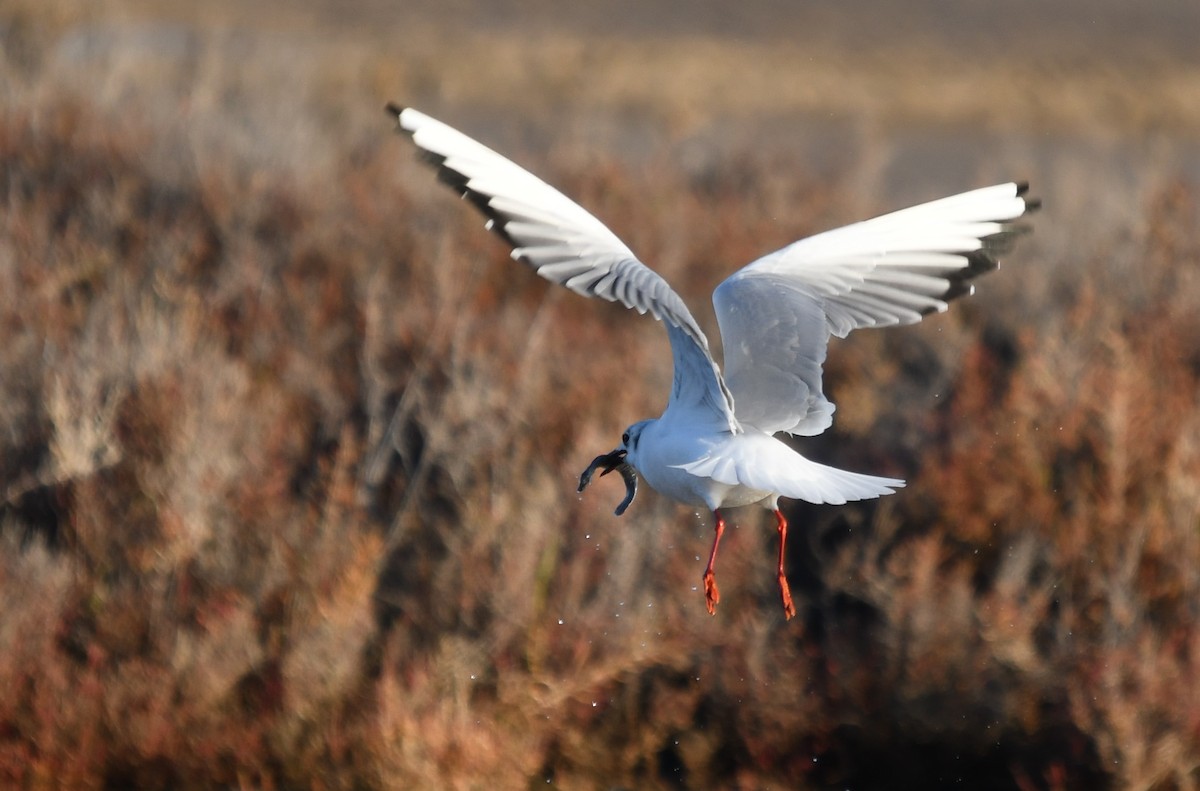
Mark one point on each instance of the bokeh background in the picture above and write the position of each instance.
(288, 446)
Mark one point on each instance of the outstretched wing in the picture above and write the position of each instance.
(776, 315)
(565, 244)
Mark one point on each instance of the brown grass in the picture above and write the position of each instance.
(288, 451)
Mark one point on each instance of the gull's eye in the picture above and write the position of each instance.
(625, 438)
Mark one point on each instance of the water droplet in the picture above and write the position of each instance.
(560, 621)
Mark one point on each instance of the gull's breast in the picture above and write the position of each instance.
(663, 454)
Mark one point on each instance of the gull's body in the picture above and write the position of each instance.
(715, 444)
(719, 468)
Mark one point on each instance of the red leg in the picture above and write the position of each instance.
(711, 594)
(785, 592)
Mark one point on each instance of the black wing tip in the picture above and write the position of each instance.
(953, 293)
(394, 111)
(1031, 204)
(458, 182)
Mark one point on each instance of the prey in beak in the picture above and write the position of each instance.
(607, 462)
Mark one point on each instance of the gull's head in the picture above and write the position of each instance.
(630, 441)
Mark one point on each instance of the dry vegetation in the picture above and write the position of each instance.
(287, 456)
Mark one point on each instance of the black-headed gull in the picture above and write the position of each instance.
(715, 445)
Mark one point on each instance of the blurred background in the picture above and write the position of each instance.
(289, 446)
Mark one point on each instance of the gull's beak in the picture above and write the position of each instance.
(608, 462)
(605, 461)
(613, 460)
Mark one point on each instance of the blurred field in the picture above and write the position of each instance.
(288, 446)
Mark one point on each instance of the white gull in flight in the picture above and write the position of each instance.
(715, 445)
